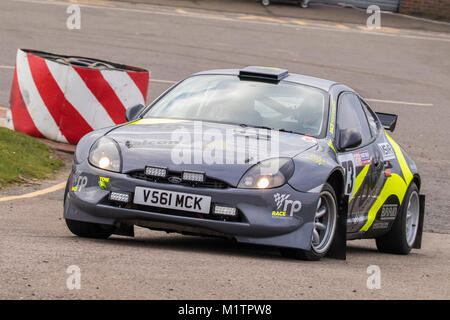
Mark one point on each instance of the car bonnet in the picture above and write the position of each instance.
(223, 151)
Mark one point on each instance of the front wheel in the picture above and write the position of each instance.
(402, 236)
(86, 229)
(325, 223)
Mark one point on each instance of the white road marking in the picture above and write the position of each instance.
(162, 81)
(154, 10)
(6, 67)
(401, 102)
(417, 104)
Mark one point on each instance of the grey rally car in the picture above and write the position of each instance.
(259, 155)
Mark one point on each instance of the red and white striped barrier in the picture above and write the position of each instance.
(62, 98)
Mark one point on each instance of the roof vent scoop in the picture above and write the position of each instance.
(263, 73)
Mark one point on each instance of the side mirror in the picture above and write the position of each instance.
(349, 138)
(132, 113)
(388, 120)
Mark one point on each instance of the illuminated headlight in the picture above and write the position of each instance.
(119, 196)
(267, 174)
(225, 211)
(193, 176)
(156, 172)
(105, 155)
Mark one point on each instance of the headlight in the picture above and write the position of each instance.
(105, 154)
(269, 173)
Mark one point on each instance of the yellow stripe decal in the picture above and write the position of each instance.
(330, 143)
(359, 180)
(155, 121)
(134, 122)
(401, 159)
(394, 185)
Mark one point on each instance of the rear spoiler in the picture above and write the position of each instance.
(388, 120)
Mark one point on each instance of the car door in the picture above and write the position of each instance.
(383, 163)
(362, 164)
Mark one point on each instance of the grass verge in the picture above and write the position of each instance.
(23, 157)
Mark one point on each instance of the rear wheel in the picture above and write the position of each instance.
(89, 230)
(325, 222)
(400, 239)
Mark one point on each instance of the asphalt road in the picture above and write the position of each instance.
(385, 66)
(37, 248)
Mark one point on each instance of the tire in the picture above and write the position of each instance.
(304, 4)
(400, 239)
(89, 230)
(265, 2)
(326, 216)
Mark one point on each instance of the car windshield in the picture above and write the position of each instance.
(228, 99)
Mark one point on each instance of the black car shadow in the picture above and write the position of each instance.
(185, 243)
(217, 246)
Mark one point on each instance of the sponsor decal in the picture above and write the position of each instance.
(348, 164)
(333, 116)
(320, 161)
(80, 184)
(149, 143)
(361, 158)
(291, 136)
(217, 144)
(279, 213)
(387, 151)
(388, 212)
(205, 145)
(380, 225)
(285, 206)
(356, 219)
(309, 139)
(103, 183)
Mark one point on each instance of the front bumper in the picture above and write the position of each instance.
(260, 220)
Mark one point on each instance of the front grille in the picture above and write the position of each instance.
(208, 183)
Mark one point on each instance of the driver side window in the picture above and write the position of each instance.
(351, 115)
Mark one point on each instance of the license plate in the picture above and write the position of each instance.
(172, 200)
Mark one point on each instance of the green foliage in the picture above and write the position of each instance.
(23, 157)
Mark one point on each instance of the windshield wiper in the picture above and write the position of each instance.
(288, 131)
(268, 128)
(254, 126)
